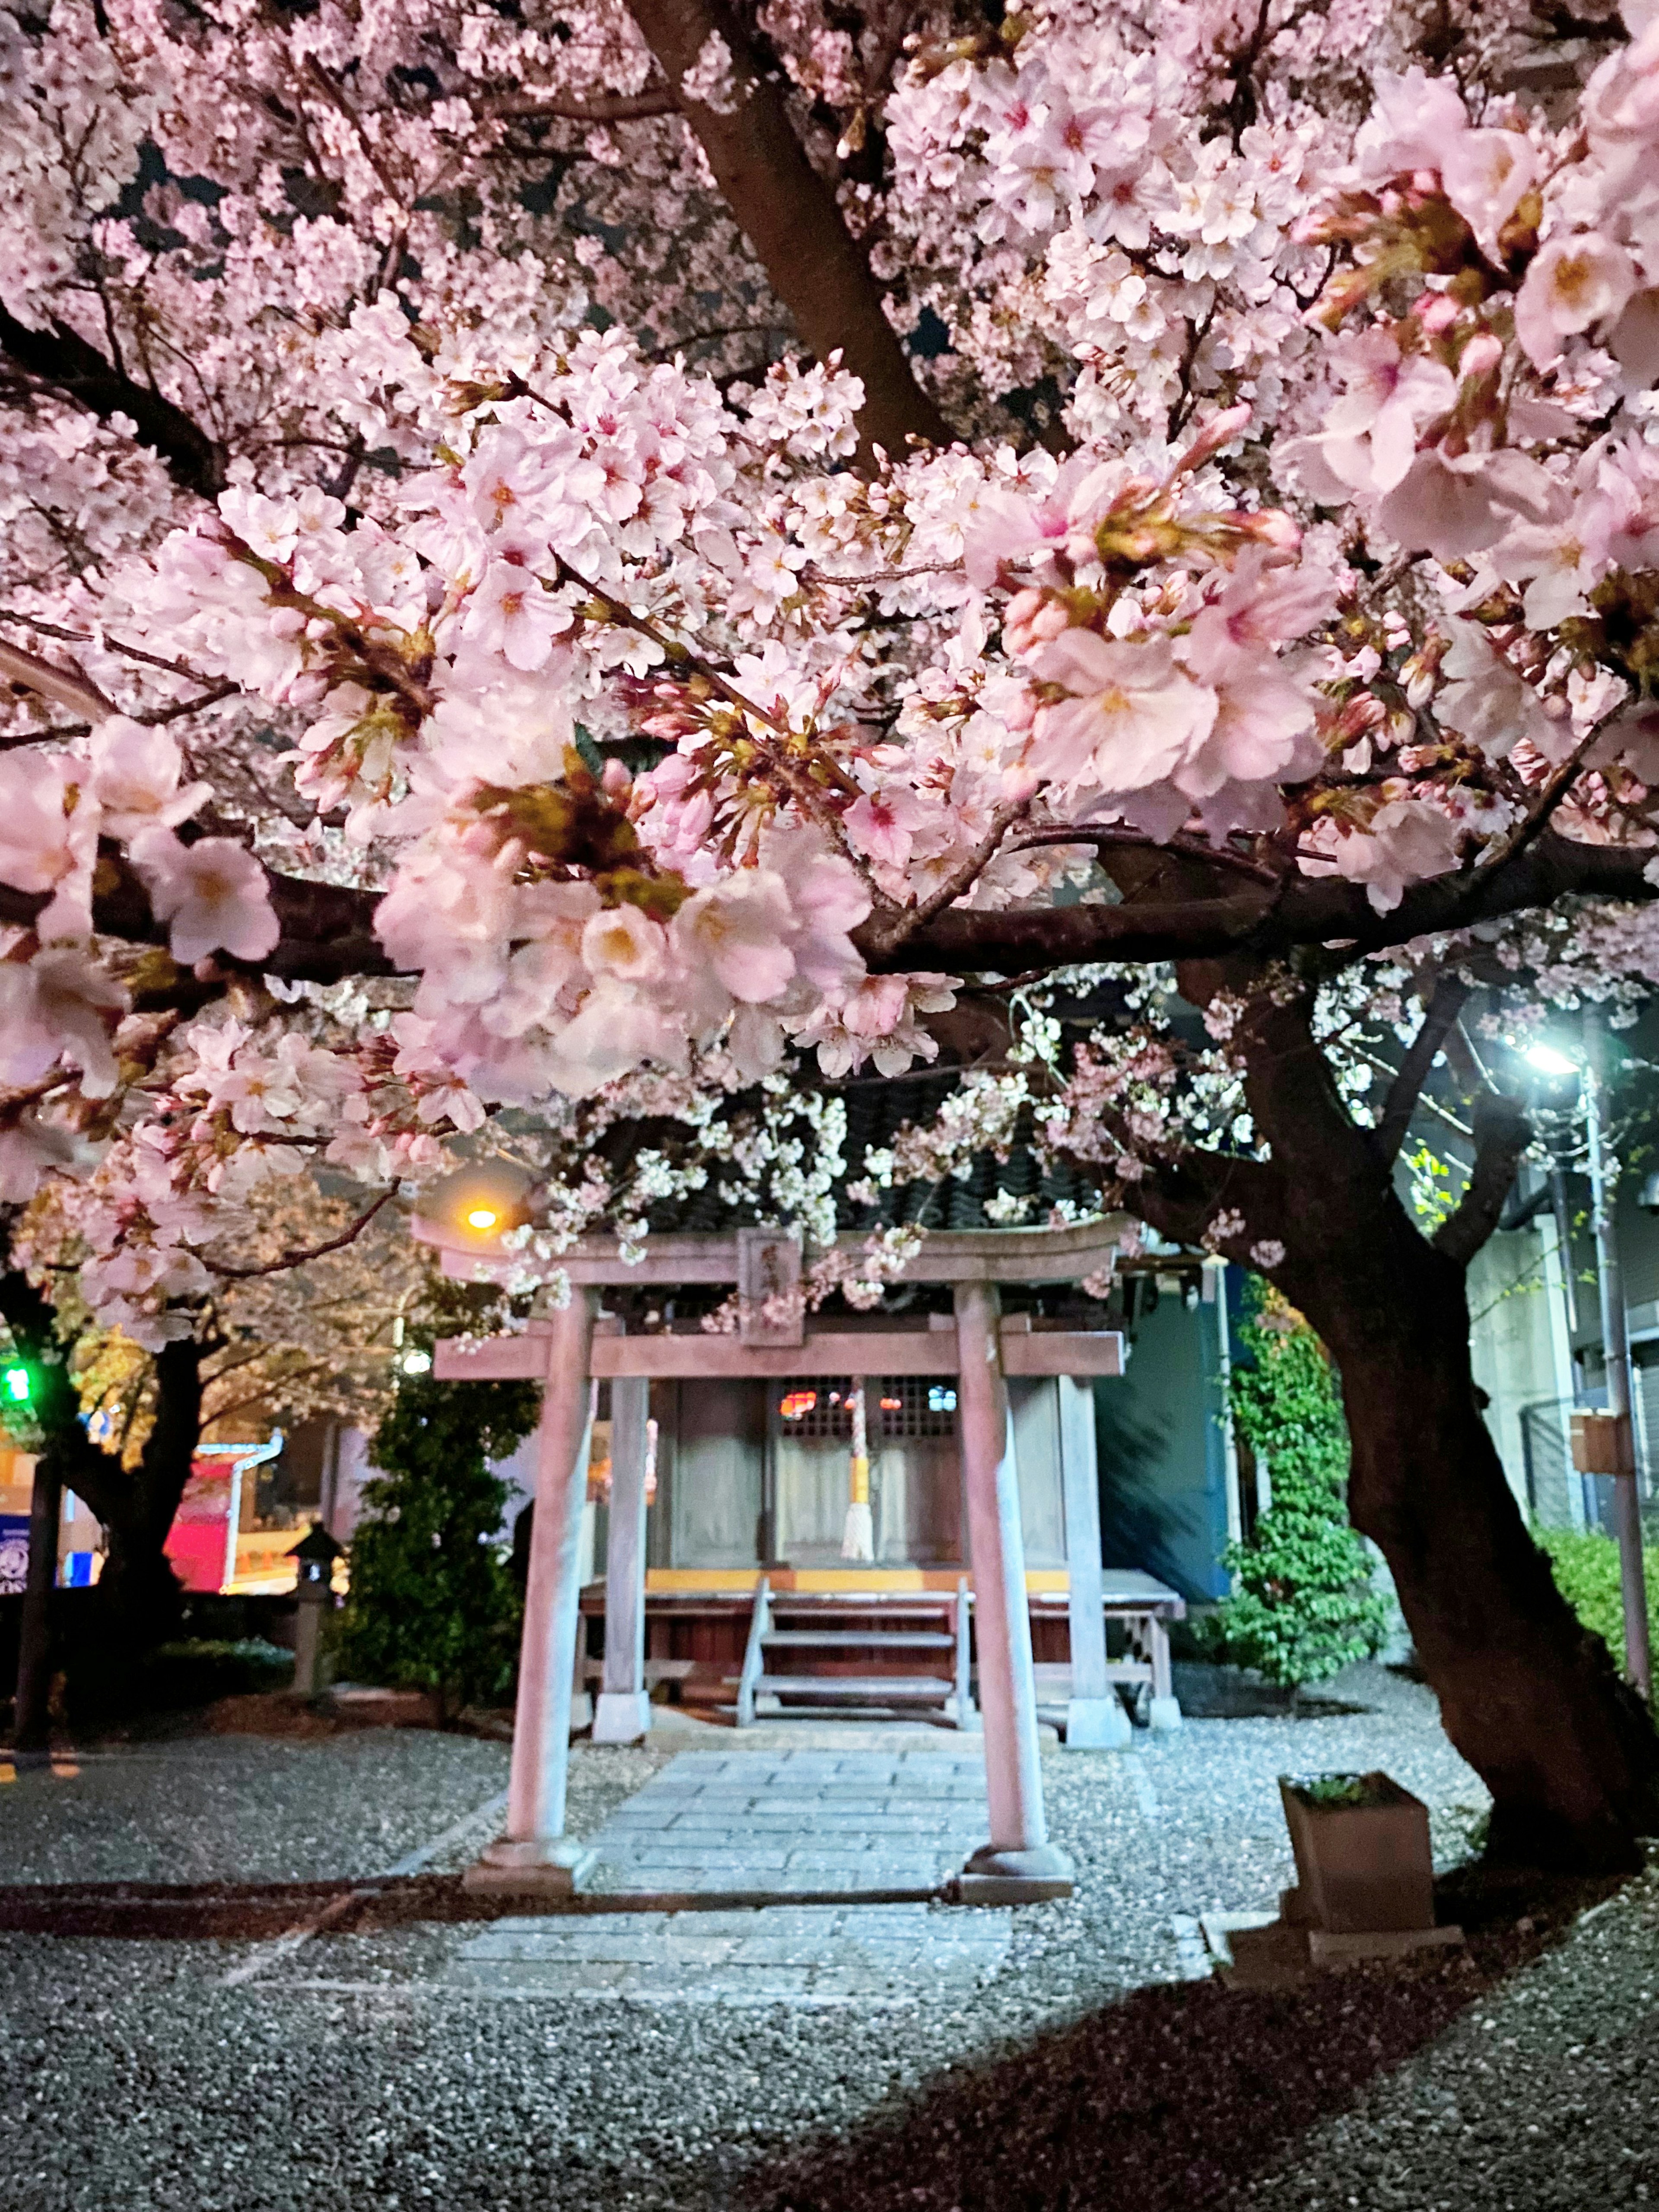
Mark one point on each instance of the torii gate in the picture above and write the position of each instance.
(574, 1345)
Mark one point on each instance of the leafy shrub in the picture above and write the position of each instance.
(432, 1603)
(1339, 1792)
(1305, 1603)
(1585, 1564)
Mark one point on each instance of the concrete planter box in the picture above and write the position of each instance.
(1362, 1861)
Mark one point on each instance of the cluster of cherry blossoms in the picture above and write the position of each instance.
(658, 714)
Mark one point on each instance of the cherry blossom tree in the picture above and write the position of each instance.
(564, 562)
(304, 1319)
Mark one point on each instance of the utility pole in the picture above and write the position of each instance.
(1615, 1345)
(32, 1711)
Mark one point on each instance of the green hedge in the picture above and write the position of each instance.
(1305, 1602)
(1585, 1564)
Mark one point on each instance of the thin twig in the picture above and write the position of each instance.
(1555, 789)
(67, 687)
(317, 1251)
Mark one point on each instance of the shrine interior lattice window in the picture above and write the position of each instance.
(814, 1406)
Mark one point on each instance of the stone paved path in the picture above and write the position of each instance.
(789, 1822)
(775, 1824)
(817, 1954)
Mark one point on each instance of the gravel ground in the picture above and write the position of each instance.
(243, 1809)
(1090, 2074)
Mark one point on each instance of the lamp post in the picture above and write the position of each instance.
(1615, 1348)
(1603, 1444)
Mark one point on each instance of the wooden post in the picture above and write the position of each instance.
(535, 1853)
(1095, 1719)
(1018, 1863)
(624, 1708)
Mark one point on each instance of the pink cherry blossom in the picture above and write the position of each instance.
(1132, 717)
(135, 776)
(1370, 438)
(213, 895)
(1485, 173)
(49, 823)
(1561, 562)
(740, 930)
(1574, 283)
(1414, 122)
(624, 943)
(511, 613)
(1405, 842)
(55, 1006)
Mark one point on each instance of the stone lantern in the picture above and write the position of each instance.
(314, 1586)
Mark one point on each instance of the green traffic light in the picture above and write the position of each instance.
(16, 1381)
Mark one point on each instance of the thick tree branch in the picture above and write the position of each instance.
(64, 687)
(61, 359)
(1445, 1004)
(327, 929)
(1502, 1133)
(1309, 910)
(616, 107)
(789, 214)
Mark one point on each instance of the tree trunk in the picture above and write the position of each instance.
(139, 1598)
(139, 1593)
(1531, 1698)
(789, 214)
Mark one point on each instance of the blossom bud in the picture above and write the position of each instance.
(1271, 525)
(1437, 313)
(1017, 627)
(1480, 357)
(1221, 431)
(616, 780)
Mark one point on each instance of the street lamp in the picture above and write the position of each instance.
(1603, 1444)
(482, 1199)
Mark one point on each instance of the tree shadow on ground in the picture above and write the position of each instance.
(1172, 2096)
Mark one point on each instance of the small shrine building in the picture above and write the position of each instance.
(948, 1447)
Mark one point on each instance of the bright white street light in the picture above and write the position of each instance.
(1548, 1061)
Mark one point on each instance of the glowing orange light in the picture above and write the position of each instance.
(796, 1403)
(482, 1217)
(893, 1405)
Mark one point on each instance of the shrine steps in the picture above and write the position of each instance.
(835, 1639)
(817, 1632)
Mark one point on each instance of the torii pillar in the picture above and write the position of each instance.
(624, 1713)
(535, 1857)
(1019, 1865)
